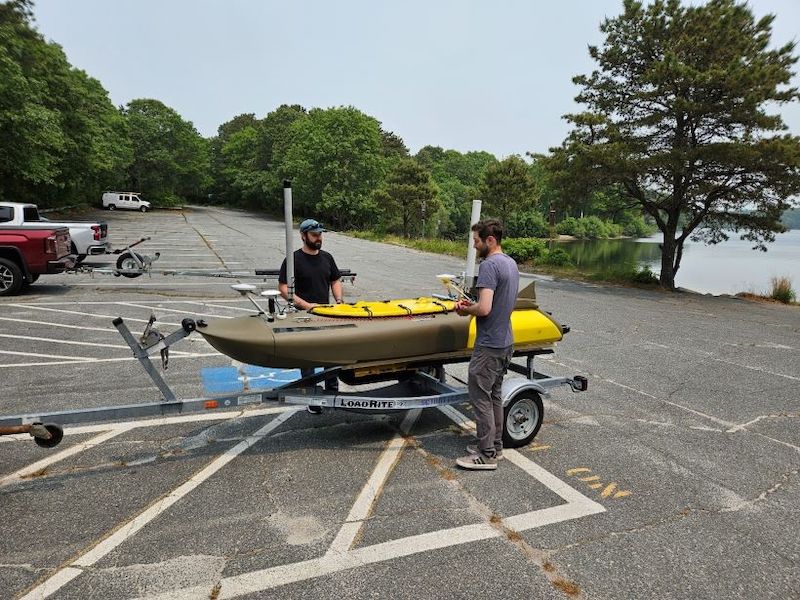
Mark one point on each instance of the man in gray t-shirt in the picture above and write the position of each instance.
(498, 283)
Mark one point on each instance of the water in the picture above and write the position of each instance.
(726, 268)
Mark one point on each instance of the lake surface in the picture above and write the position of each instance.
(726, 268)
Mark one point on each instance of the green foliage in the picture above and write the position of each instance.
(635, 226)
(407, 198)
(589, 228)
(170, 159)
(334, 158)
(61, 139)
(782, 290)
(527, 224)
(676, 118)
(524, 249)
(645, 275)
(557, 257)
(507, 187)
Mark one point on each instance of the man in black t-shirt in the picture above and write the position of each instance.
(315, 277)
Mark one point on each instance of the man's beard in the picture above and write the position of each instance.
(483, 251)
(314, 245)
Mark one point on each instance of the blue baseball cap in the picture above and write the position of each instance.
(312, 226)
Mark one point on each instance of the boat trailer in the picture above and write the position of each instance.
(133, 264)
(424, 387)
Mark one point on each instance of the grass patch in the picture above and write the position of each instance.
(433, 245)
(782, 290)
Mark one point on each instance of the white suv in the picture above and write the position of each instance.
(128, 200)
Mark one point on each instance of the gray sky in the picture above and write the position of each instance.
(459, 74)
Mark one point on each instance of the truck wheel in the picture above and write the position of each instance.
(522, 419)
(112, 207)
(10, 278)
(126, 262)
(143, 209)
(73, 249)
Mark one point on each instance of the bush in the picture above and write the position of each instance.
(637, 227)
(558, 257)
(527, 224)
(524, 249)
(644, 275)
(589, 228)
(782, 290)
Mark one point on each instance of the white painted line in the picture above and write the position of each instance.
(150, 285)
(59, 456)
(209, 416)
(15, 353)
(117, 302)
(373, 488)
(129, 529)
(82, 314)
(174, 310)
(216, 305)
(55, 341)
(75, 361)
(259, 581)
(81, 327)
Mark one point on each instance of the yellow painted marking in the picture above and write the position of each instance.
(590, 478)
(537, 447)
(609, 489)
(622, 494)
(594, 486)
(578, 470)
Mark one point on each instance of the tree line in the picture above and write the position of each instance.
(675, 132)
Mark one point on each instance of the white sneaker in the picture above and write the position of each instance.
(477, 462)
(473, 449)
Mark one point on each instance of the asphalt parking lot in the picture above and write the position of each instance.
(674, 476)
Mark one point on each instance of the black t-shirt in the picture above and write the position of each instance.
(313, 274)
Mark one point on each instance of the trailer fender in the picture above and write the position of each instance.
(514, 385)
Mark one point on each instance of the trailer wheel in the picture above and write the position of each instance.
(112, 207)
(10, 278)
(522, 419)
(126, 262)
(56, 433)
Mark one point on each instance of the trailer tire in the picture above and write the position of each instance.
(522, 418)
(126, 262)
(11, 278)
(112, 207)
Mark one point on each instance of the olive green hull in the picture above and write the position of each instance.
(315, 341)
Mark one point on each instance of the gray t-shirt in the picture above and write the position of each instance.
(498, 272)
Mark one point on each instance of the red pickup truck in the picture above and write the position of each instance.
(26, 253)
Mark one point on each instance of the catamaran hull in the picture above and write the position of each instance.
(317, 341)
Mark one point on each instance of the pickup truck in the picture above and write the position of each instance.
(87, 238)
(27, 252)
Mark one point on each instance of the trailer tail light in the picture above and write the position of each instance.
(51, 245)
(97, 232)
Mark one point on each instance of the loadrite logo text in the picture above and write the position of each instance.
(367, 403)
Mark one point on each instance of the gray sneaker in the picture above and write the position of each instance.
(477, 462)
(473, 449)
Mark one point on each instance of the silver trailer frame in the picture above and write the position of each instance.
(522, 396)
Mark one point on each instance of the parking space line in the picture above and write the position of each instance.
(81, 327)
(55, 341)
(74, 361)
(373, 488)
(66, 574)
(84, 314)
(173, 310)
(59, 456)
(209, 416)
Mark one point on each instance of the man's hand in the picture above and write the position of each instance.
(462, 307)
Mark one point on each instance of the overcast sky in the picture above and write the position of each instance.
(459, 74)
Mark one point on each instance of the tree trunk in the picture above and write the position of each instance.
(668, 249)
